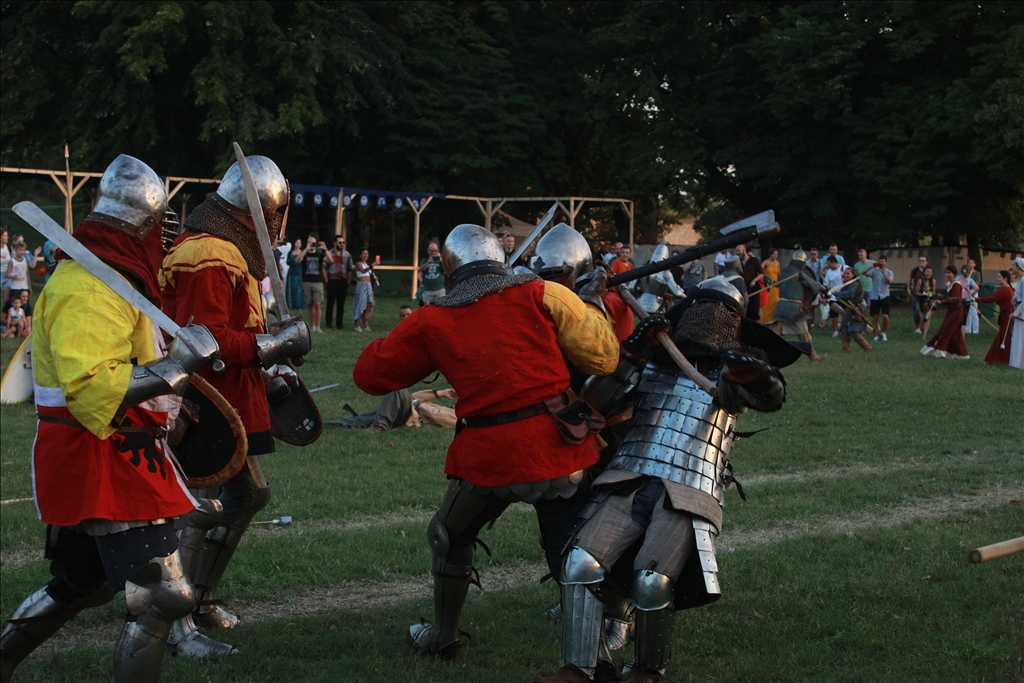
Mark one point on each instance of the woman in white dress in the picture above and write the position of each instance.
(1017, 345)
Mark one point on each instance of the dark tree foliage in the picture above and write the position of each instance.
(873, 122)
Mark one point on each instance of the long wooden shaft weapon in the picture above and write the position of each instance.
(670, 346)
(775, 284)
(856, 309)
(741, 236)
(996, 550)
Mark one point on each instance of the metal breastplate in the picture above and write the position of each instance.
(677, 433)
(655, 286)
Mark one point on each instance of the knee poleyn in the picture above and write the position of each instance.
(162, 585)
(651, 590)
(581, 567)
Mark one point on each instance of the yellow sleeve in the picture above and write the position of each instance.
(584, 333)
(89, 333)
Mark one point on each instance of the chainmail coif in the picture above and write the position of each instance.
(709, 328)
(212, 220)
(475, 288)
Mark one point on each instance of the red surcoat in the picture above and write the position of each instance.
(501, 353)
(205, 278)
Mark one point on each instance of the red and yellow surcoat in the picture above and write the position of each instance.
(501, 353)
(205, 278)
(85, 340)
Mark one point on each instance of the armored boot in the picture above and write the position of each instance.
(221, 544)
(863, 343)
(185, 640)
(156, 595)
(38, 618)
(451, 584)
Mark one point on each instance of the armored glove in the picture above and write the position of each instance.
(748, 381)
(643, 342)
(291, 342)
(596, 289)
(193, 346)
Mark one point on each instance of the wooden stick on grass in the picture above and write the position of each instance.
(996, 550)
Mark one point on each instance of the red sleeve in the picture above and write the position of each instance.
(1001, 294)
(223, 314)
(398, 361)
(622, 317)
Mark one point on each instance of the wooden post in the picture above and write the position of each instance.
(488, 214)
(339, 214)
(68, 192)
(416, 243)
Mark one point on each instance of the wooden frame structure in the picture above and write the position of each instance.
(489, 207)
(70, 182)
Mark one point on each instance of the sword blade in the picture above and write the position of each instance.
(256, 209)
(534, 234)
(49, 228)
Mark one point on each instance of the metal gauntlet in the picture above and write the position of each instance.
(595, 290)
(191, 347)
(606, 393)
(290, 342)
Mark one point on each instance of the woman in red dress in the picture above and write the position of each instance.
(949, 342)
(999, 352)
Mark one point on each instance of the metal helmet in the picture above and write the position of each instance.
(799, 256)
(133, 194)
(472, 250)
(562, 252)
(717, 289)
(270, 185)
(660, 253)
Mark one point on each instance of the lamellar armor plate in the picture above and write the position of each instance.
(678, 433)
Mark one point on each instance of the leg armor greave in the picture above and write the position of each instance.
(156, 595)
(451, 584)
(654, 630)
(582, 611)
(652, 594)
(43, 616)
(244, 495)
(192, 539)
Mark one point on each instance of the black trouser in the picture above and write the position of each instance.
(337, 290)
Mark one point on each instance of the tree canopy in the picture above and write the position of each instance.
(877, 122)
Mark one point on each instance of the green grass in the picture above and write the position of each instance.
(846, 563)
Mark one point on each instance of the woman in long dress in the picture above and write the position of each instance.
(999, 352)
(771, 269)
(1017, 349)
(293, 293)
(363, 307)
(949, 342)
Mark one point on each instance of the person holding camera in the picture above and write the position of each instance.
(431, 275)
(314, 278)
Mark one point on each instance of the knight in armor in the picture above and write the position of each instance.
(654, 287)
(522, 434)
(650, 528)
(106, 389)
(798, 290)
(213, 274)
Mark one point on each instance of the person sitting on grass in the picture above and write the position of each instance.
(24, 316)
(15, 321)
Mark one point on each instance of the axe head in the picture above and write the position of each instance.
(764, 222)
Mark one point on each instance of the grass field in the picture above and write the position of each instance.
(848, 562)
